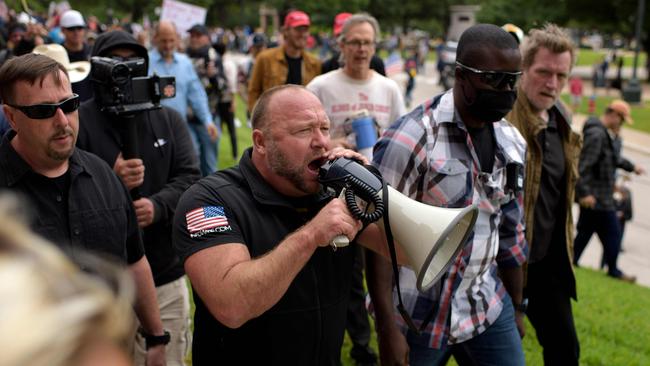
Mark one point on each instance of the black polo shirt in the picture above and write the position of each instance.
(94, 213)
(306, 326)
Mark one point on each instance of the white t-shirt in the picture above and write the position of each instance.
(230, 71)
(343, 97)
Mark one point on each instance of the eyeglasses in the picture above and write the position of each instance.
(74, 29)
(358, 43)
(495, 79)
(43, 111)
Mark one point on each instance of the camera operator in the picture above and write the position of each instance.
(167, 154)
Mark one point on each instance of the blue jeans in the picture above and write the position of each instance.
(498, 345)
(205, 149)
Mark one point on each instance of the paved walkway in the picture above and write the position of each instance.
(586, 72)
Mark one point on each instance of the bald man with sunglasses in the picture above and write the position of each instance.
(79, 203)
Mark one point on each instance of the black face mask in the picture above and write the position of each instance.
(491, 105)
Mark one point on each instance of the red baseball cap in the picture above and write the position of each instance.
(339, 20)
(296, 18)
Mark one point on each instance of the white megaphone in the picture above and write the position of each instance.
(430, 236)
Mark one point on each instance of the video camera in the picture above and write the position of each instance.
(122, 87)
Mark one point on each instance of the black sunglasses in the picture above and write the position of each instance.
(43, 111)
(495, 79)
(74, 29)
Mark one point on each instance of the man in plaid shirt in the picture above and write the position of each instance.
(453, 151)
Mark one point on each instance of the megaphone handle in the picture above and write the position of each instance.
(340, 241)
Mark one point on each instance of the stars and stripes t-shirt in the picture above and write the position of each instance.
(205, 218)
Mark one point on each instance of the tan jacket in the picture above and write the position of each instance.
(270, 69)
(529, 125)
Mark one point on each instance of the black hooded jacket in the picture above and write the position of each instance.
(597, 166)
(118, 39)
(166, 150)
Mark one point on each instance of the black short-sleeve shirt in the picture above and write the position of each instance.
(294, 73)
(306, 326)
(551, 199)
(97, 216)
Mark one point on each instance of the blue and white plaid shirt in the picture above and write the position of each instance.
(429, 156)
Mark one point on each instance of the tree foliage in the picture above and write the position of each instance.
(525, 14)
(605, 16)
(611, 16)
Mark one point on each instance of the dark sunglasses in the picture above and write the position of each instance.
(495, 79)
(74, 29)
(43, 111)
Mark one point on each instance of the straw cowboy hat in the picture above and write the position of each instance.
(77, 71)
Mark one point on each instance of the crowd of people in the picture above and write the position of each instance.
(103, 172)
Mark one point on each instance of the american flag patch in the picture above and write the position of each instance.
(205, 218)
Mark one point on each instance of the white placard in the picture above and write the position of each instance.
(183, 15)
(4, 11)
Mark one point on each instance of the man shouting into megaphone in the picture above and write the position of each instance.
(255, 241)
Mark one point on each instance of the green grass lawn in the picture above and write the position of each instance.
(640, 112)
(611, 319)
(244, 139)
(431, 55)
(587, 57)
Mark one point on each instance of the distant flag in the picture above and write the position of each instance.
(146, 23)
(394, 64)
(205, 218)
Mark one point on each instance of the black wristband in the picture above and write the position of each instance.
(521, 307)
(154, 340)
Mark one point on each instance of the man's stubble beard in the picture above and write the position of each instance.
(65, 154)
(280, 165)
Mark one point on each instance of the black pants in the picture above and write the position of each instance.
(549, 310)
(227, 117)
(358, 325)
(606, 225)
